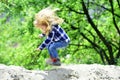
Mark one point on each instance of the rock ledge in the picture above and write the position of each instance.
(66, 72)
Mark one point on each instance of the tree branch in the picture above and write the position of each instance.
(111, 3)
(118, 54)
(118, 3)
(71, 9)
(106, 43)
(91, 34)
(98, 49)
(105, 9)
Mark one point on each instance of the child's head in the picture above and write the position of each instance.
(45, 18)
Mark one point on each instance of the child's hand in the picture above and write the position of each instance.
(40, 35)
(38, 49)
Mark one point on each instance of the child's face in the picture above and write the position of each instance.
(43, 28)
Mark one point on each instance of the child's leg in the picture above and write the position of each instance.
(52, 48)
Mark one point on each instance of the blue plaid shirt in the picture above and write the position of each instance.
(57, 34)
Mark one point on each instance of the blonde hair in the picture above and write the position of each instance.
(47, 17)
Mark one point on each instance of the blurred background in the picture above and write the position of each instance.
(92, 25)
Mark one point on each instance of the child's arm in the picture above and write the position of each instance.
(47, 41)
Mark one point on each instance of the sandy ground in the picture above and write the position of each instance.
(65, 72)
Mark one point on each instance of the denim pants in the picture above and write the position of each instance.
(52, 48)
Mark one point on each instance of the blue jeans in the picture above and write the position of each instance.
(52, 48)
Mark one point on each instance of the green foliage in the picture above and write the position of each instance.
(19, 39)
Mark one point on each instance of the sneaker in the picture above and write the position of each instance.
(57, 63)
(49, 61)
(54, 62)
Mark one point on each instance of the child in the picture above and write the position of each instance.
(48, 22)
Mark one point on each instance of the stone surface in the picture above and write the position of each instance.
(65, 72)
